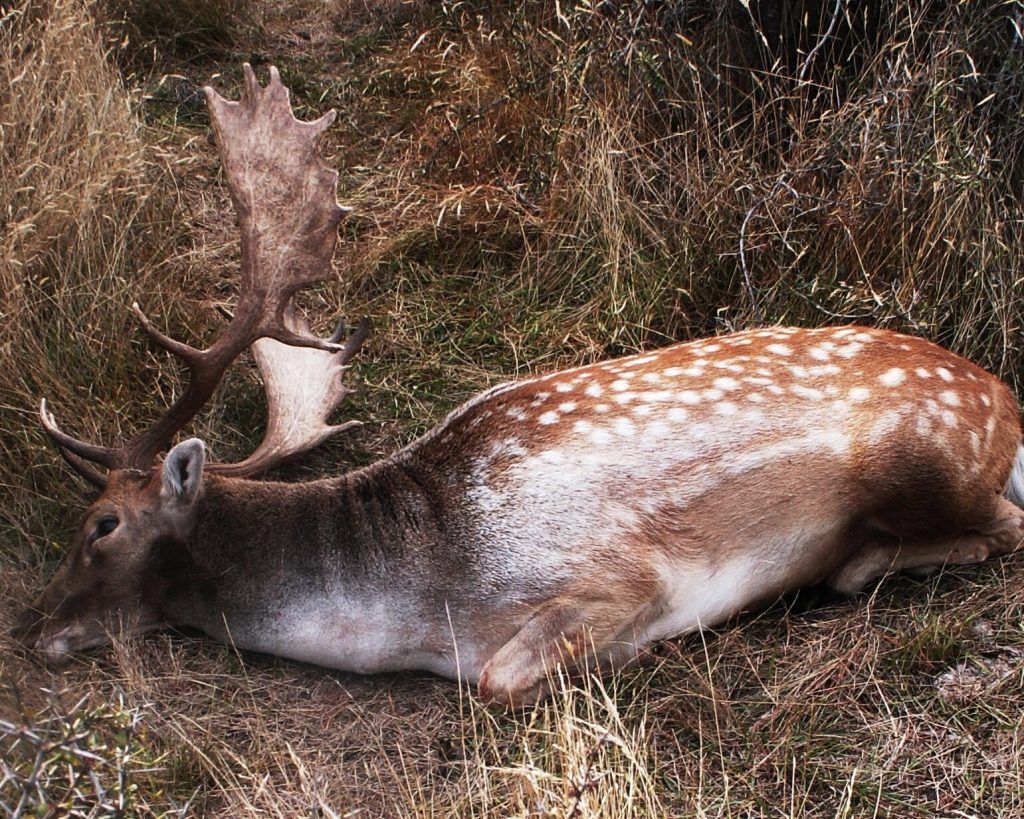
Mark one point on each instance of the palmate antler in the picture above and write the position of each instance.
(284, 194)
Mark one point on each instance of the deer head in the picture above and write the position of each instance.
(284, 195)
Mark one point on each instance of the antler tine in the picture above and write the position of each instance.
(83, 468)
(183, 351)
(109, 458)
(251, 89)
(356, 340)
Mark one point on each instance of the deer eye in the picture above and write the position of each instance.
(104, 526)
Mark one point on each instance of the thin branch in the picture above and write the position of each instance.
(806, 64)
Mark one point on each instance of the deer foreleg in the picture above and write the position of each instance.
(567, 633)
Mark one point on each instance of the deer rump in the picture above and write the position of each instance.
(570, 518)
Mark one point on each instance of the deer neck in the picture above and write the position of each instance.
(260, 549)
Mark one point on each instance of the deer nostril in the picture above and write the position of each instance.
(28, 628)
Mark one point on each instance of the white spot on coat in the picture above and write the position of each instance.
(807, 392)
(623, 426)
(893, 377)
(884, 426)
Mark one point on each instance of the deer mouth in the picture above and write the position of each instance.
(56, 647)
(59, 647)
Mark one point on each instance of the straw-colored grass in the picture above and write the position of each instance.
(535, 184)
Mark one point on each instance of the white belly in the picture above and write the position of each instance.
(700, 594)
(357, 638)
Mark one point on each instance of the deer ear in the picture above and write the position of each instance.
(183, 471)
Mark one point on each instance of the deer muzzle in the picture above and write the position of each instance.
(54, 647)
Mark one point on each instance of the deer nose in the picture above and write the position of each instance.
(28, 628)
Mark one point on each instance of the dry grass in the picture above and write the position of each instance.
(536, 184)
(89, 207)
(897, 706)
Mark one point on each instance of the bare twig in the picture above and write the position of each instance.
(806, 64)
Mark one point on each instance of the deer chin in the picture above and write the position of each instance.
(58, 649)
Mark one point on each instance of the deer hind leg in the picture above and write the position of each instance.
(1002, 534)
(566, 633)
(1005, 532)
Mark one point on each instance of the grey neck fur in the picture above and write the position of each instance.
(257, 544)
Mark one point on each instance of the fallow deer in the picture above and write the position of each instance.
(572, 518)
